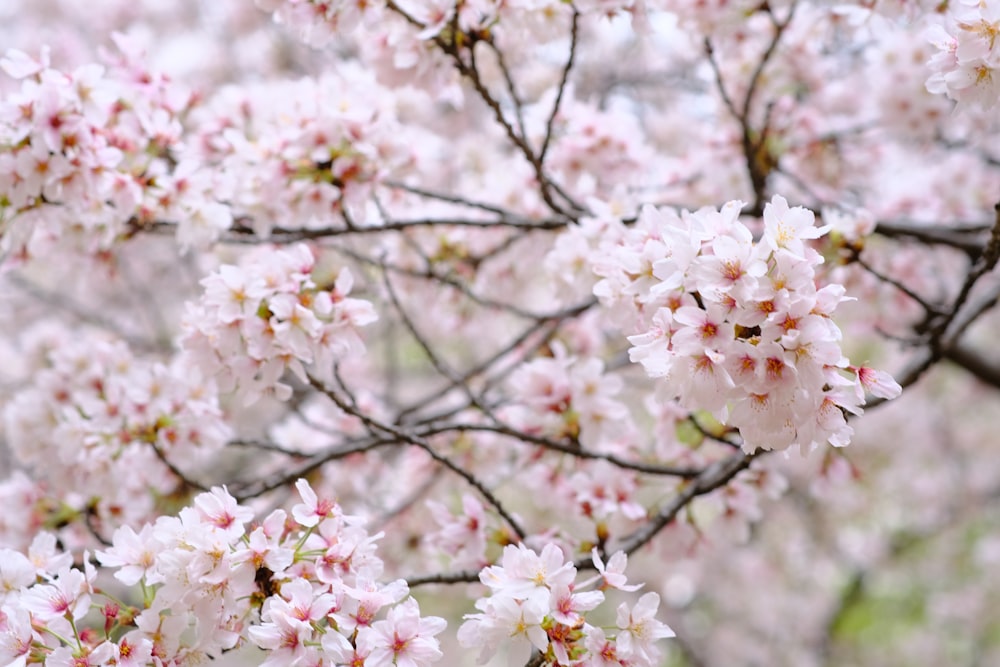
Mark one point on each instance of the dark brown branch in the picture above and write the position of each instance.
(930, 309)
(986, 263)
(439, 365)
(478, 369)
(429, 274)
(454, 199)
(570, 449)
(175, 470)
(267, 447)
(511, 88)
(753, 142)
(449, 578)
(470, 72)
(963, 238)
(561, 90)
(408, 438)
(711, 436)
(943, 331)
(312, 464)
(980, 368)
(286, 235)
(715, 476)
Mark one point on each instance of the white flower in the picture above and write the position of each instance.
(404, 638)
(614, 572)
(506, 619)
(640, 629)
(134, 553)
(786, 227)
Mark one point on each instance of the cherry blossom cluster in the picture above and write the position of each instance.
(268, 316)
(445, 147)
(411, 42)
(738, 327)
(303, 154)
(535, 603)
(966, 67)
(462, 536)
(565, 397)
(96, 423)
(90, 152)
(597, 149)
(24, 498)
(316, 22)
(394, 39)
(303, 588)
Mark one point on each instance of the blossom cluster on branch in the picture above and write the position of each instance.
(103, 424)
(536, 602)
(202, 578)
(967, 64)
(259, 320)
(391, 333)
(94, 150)
(740, 328)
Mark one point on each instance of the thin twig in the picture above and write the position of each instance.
(570, 449)
(563, 81)
(175, 470)
(716, 475)
(403, 436)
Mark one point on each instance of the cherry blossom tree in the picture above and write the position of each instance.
(412, 332)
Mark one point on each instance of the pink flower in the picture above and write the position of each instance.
(134, 652)
(361, 603)
(16, 636)
(404, 638)
(877, 383)
(766, 420)
(104, 654)
(613, 573)
(234, 292)
(733, 269)
(340, 650)
(221, 510)
(68, 596)
(702, 381)
(16, 572)
(20, 65)
(699, 329)
(462, 536)
(134, 553)
(601, 651)
(282, 635)
(640, 629)
(263, 548)
(45, 555)
(566, 605)
(312, 510)
(267, 316)
(522, 571)
(300, 601)
(786, 228)
(504, 619)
